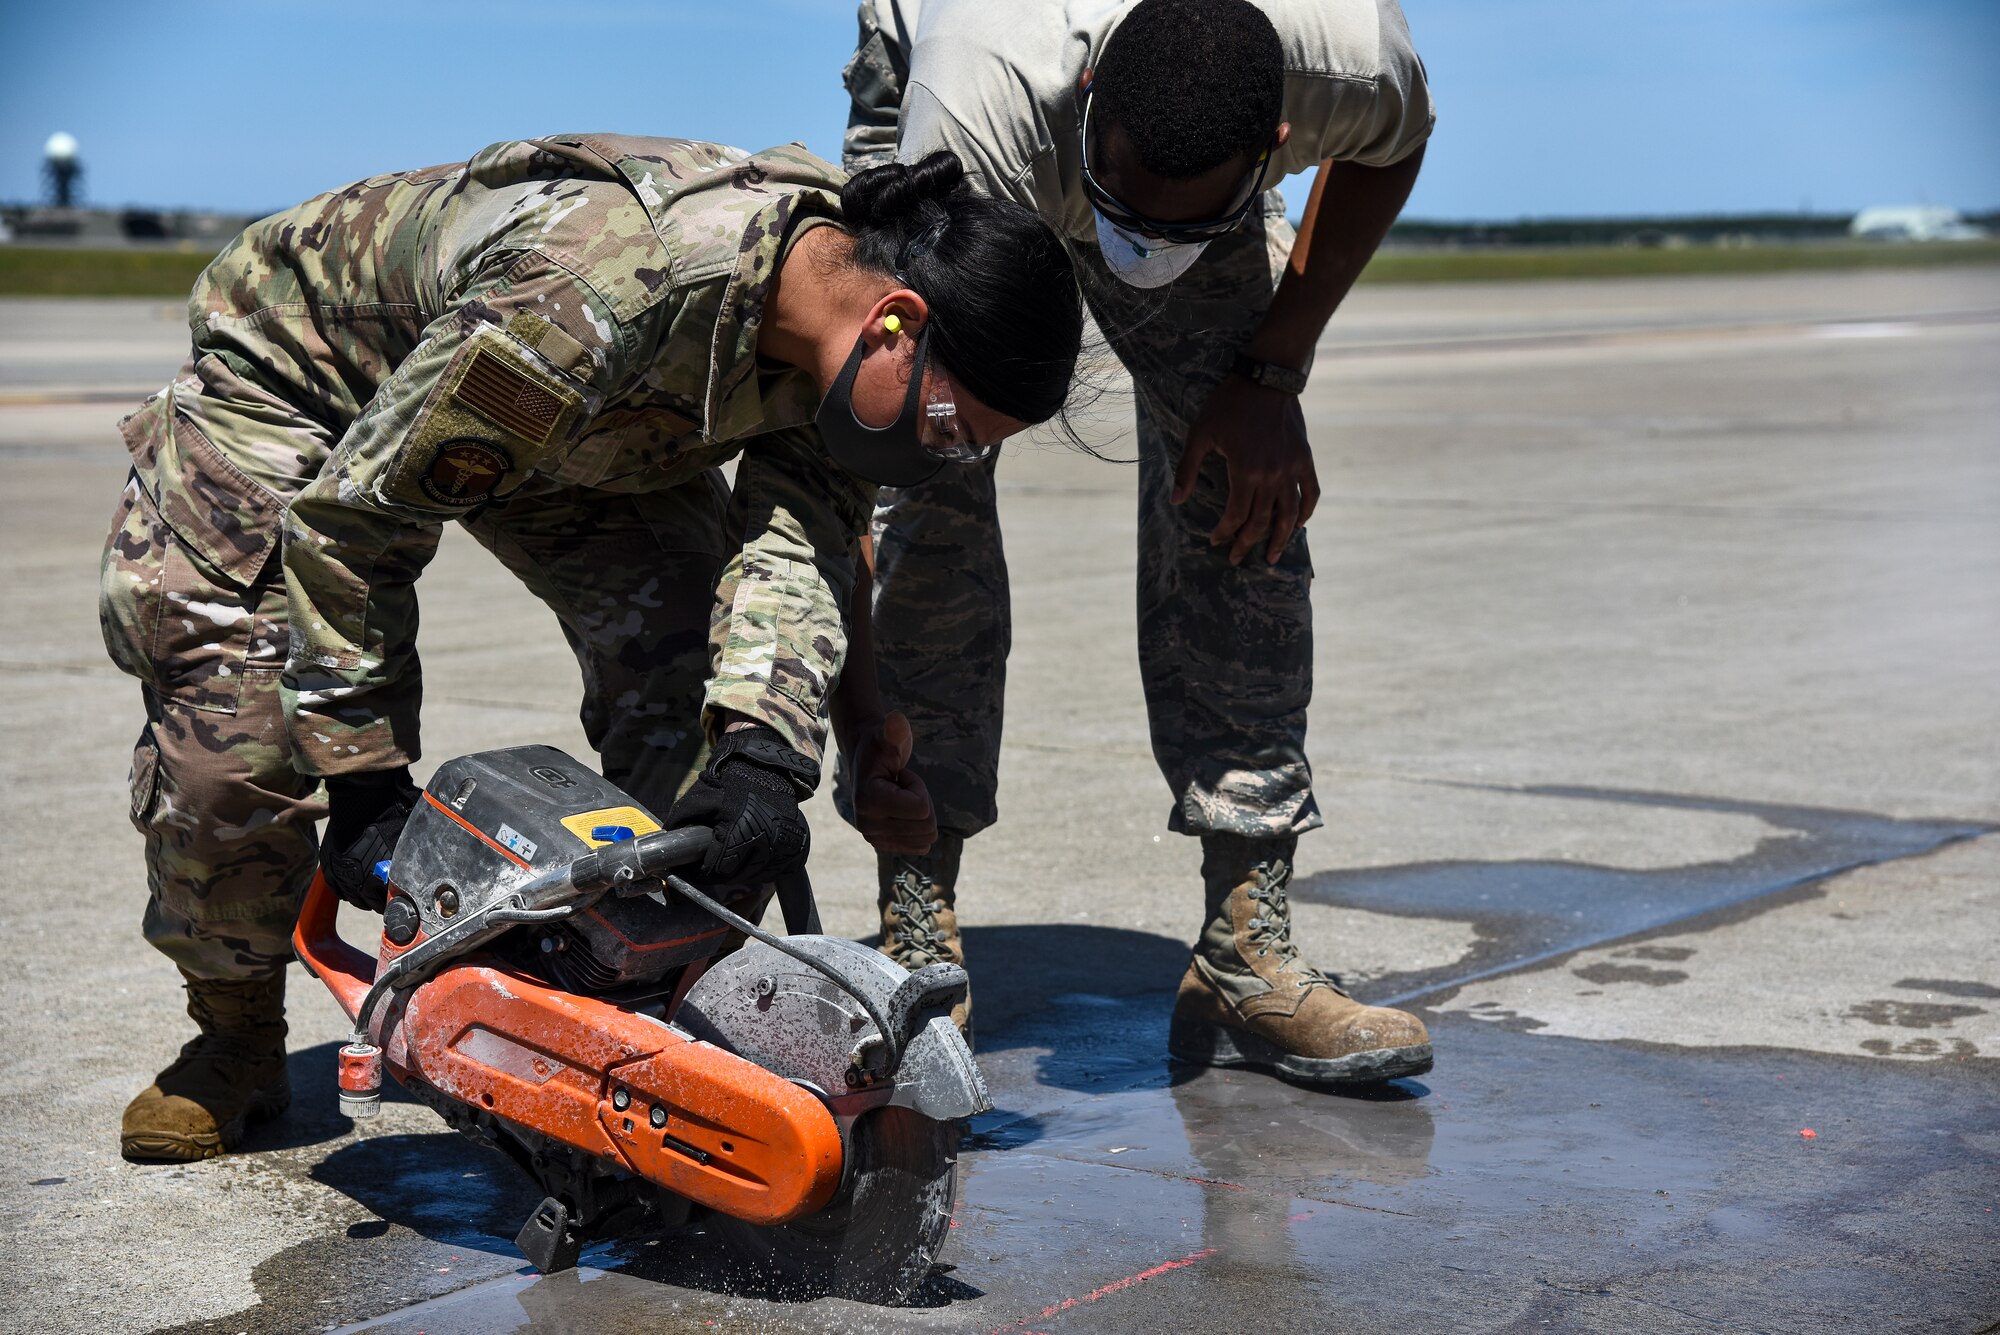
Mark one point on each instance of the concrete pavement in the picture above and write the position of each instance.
(1656, 726)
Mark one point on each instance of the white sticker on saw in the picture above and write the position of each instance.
(522, 846)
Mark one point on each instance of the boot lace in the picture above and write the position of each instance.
(1271, 926)
(915, 911)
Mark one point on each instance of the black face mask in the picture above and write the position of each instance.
(888, 456)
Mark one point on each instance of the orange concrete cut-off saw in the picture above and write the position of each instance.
(652, 1057)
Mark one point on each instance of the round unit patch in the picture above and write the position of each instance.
(464, 471)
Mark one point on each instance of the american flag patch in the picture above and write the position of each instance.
(508, 398)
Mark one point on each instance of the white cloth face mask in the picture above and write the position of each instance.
(1140, 262)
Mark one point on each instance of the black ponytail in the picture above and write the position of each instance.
(1006, 315)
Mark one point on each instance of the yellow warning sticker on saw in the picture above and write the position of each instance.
(631, 818)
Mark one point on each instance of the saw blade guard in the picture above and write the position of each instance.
(898, 1099)
(789, 1017)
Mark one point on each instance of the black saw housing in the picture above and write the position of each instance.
(493, 819)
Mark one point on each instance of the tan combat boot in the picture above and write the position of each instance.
(1249, 1000)
(229, 1075)
(918, 898)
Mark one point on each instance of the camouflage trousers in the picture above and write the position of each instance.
(1225, 652)
(192, 603)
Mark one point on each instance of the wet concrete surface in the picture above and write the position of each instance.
(1655, 726)
(1537, 1184)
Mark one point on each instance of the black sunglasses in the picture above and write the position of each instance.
(1119, 215)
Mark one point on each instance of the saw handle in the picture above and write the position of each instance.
(624, 867)
(347, 972)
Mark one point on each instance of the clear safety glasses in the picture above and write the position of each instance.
(943, 434)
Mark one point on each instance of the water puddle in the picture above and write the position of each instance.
(1530, 911)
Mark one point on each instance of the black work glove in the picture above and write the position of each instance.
(365, 815)
(749, 796)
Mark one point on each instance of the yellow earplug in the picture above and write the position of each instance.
(893, 323)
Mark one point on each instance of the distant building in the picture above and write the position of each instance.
(1912, 222)
(116, 228)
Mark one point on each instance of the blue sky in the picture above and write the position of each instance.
(1547, 107)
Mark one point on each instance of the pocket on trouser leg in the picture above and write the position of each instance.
(174, 621)
(190, 568)
(144, 779)
(129, 582)
(647, 723)
(230, 847)
(204, 632)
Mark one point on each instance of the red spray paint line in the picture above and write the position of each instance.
(1115, 1286)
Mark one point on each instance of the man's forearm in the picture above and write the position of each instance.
(1348, 213)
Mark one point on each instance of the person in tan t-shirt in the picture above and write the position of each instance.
(1152, 135)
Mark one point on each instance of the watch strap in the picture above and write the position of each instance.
(1268, 374)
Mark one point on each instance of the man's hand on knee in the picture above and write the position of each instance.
(1260, 434)
(892, 808)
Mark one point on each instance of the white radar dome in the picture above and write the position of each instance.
(61, 146)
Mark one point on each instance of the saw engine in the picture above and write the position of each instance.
(644, 1050)
(487, 816)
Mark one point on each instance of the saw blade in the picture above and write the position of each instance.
(877, 1239)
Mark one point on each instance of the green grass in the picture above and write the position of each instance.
(30, 271)
(27, 271)
(1469, 266)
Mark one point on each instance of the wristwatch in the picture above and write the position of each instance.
(1268, 374)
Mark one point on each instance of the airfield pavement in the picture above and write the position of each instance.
(1657, 727)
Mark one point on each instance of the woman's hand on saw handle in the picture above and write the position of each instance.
(749, 798)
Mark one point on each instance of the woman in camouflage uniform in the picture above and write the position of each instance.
(555, 344)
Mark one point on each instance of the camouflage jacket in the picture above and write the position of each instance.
(575, 311)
